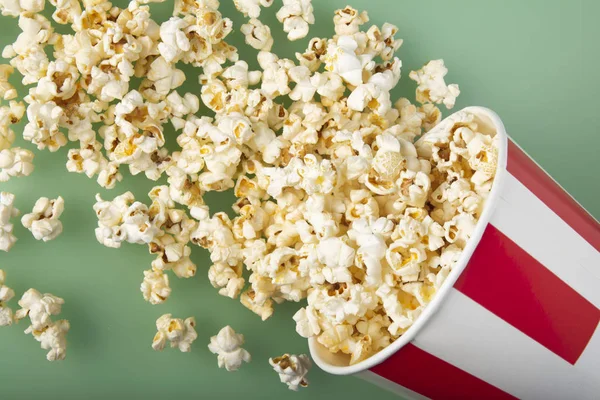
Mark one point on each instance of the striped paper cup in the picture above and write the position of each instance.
(518, 315)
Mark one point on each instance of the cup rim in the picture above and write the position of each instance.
(438, 300)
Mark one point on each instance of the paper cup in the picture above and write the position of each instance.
(518, 315)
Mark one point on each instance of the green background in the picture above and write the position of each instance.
(535, 63)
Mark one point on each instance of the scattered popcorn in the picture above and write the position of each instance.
(7, 211)
(257, 35)
(155, 286)
(15, 162)
(52, 337)
(432, 87)
(227, 345)
(43, 221)
(40, 308)
(296, 15)
(292, 369)
(336, 201)
(6, 293)
(180, 333)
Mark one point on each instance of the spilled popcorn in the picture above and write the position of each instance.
(180, 333)
(356, 202)
(292, 370)
(43, 221)
(227, 345)
(51, 334)
(7, 211)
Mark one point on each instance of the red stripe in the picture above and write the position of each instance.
(522, 167)
(510, 283)
(421, 372)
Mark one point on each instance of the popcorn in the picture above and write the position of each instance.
(347, 21)
(227, 279)
(6, 293)
(180, 333)
(15, 162)
(155, 286)
(7, 211)
(432, 87)
(227, 345)
(336, 201)
(52, 337)
(39, 308)
(43, 127)
(257, 35)
(251, 8)
(43, 221)
(7, 91)
(292, 369)
(296, 15)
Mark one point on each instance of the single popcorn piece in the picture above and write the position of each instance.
(292, 370)
(15, 162)
(229, 280)
(6, 293)
(227, 345)
(7, 211)
(155, 286)
(52, 337)
(43, 221)
(251, 8)
(7, 91)
(432, 87)
(39, 308)
(257, 35)
(296, 15)
(180, 333)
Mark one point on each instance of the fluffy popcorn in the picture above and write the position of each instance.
(52, 337)
(296, 15)
(431, 85)
(180, 333)
(43, 222)
(43, 127)
(227, 345)
(336, 200)
(292, 369)
(7, 211)
(257, 35)
(227, 279)
(15, 162)
(39, 308)
(6, 294)
(155, 286)
(251, 8)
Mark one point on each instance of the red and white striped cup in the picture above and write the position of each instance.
(518, 316)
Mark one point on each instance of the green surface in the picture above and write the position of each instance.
(534, 62)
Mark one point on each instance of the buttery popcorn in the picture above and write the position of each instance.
(43, 221)
(227, 345)
(292, 369)
(6, 294)
(180, 333)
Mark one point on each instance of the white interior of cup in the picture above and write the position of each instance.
(488, 123)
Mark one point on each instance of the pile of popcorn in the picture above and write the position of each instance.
(52, 335)
(337, 201)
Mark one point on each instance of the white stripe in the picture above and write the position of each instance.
(589, 362)
(526, 220)
(471, 338)
(390, 386)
